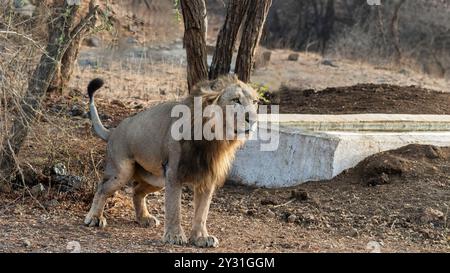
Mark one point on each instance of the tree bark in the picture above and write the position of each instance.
(195, 24)
(59, 41)
(65, 70)
(257, 11)
(394, 30)
(226, 40)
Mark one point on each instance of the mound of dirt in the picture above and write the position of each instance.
(413, 161)
(364, 98)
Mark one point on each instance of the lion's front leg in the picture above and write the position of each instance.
(173, 232)
(199, 235)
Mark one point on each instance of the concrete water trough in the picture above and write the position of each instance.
(320, 147)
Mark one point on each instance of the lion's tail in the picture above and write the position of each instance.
(100, 130)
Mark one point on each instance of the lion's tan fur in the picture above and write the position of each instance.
(142, 147)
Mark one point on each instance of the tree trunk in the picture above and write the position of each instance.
(257, 11)
(221, 62)
(59, 41)
(394, 30)
(195, 24)
(64, 71)
(327, 25)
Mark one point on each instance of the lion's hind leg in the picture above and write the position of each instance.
(115, 178)
(145, 185)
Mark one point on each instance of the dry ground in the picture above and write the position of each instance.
(363, 98)
(398, 199)
(406, 213)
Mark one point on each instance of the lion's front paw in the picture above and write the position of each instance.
(148, 221)
(204, 241)
(175, 238)
(95, 221)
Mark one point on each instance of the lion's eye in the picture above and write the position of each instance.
(237, 100)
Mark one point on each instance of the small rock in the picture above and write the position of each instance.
(293, 57)
(51, 203)
(328, 63)
(404, 72)
(292, 218)
(92, 42)
(430, 215)
(104, 117)
(37, 190)
(138, 106)
(433, 152)
(131, 41)
(374, 247)
(132, 28)
(306, 246)
(24, 7)
(162, 92)
(354, 233)
(266, 56)
(269, 201)
(382, 179)
(299, 195)
(67, 183)
(251, 212)
(88, 63)
(118, 103)
(59, 169)
(271, 214)
(26, 243)
(262, 60)
(76, 111)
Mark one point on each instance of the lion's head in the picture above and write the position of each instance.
(238, 103)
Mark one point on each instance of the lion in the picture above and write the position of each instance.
(142, 149)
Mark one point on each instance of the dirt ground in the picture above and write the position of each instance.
(364, 98)
(396, 201)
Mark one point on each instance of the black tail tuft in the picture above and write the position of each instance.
(93, 86)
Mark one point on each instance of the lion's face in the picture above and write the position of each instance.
(238, 103)
(243, 101)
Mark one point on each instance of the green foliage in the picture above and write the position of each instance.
(105, 19)
(176, 5)
(263, 91)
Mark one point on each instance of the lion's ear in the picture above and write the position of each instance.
(201, 88)
(234, 77)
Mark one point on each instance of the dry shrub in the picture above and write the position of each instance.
(53, 138)
(22, 42)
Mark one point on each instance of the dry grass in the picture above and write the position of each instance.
(144, 81)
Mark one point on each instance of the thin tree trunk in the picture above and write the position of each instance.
(395, 31)
(59, 40)
(226, 40)
(195, 22)
(257, 11)
(64, 71)
(328, 25)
